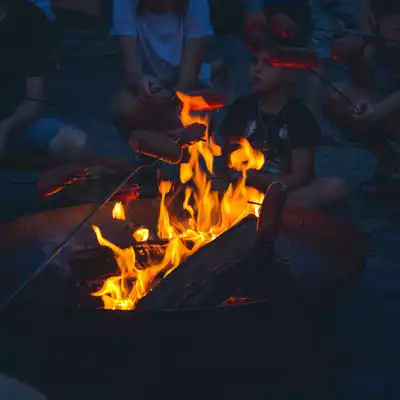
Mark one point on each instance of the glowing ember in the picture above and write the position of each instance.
(141, 235)
(119, 212)
(209, 215)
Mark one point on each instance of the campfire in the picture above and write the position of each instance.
(207, 215)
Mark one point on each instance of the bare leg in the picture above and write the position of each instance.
(320, 193)
(128, 112)
(68, 144)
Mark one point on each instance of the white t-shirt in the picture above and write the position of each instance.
(161, 36)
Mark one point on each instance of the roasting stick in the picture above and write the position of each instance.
(359, 33)
(61, 246)
(356, 109)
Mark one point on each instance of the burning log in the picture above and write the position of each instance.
(208, 271)
(93, 264)
(226, 265)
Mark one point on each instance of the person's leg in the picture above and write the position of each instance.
(128, 112)
(50, 139)
(320, 193)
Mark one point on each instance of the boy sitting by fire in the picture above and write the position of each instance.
(285, 130)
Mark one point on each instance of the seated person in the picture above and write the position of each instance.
(161, 45)
(286, 130)
(238, 25)
(26, 57)
(328, 18)
(289, 20)
(375, 90)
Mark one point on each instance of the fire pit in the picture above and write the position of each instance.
(194, 267)
(56, 319)
(313, 255)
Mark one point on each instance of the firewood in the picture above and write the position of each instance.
(215, 272)
(222, 268)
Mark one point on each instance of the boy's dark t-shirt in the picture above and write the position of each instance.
(277, 135)
(26, 51)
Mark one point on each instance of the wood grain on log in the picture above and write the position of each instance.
(215, 272)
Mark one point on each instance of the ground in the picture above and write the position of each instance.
(365, 330)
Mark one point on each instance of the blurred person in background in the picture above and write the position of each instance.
(329, 17)
(231, 59)
(288, 20)
(238, 23)
(26, 57)
(375, 90)
(281, 126)
(162, 46)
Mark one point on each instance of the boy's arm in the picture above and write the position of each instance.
(303, 136)
(302, 172)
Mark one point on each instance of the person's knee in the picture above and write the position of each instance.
(336, 190)
(123, 108)
(68, 143)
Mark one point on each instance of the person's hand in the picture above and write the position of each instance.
(188, 135)
(365, 116)
(255, 22)
(5, 127)
(282, 25)
(149, 86)
(342, 48)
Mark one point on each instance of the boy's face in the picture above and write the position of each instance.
(263, 77)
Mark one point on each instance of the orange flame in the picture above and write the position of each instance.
(209, 214)
(141, 235)
(118, 212)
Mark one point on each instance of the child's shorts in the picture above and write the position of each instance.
(326, 17)
(35, 137)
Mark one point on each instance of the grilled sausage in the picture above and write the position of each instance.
(156, 145)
